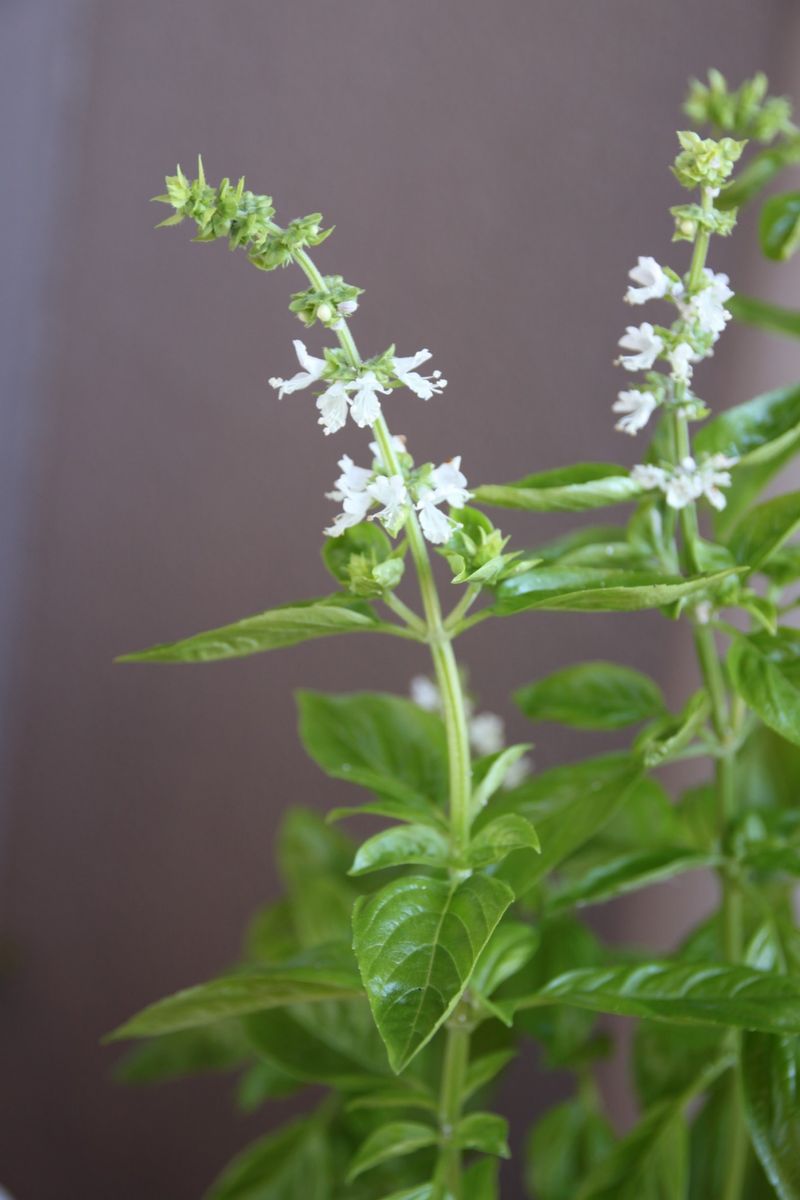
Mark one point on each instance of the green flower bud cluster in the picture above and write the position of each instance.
(690, 218)
(475, 551)
(337, 300)
(704, 162)
(241, 216)
(747, 112)
(364, 561)
(338, 367)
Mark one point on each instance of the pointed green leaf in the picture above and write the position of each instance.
(568, 489)
(496, 774)
(770, 317)
(423, 1192)
(402, 1094)
(330, 1043)
(593, 589)
(291, 1164)
(483, 1070)
(779, 226)
(417, 941)
(766, 674)
(502, 835)
(759, 171)
(567, 806)
(485, 1132)
(389, 1142)
(253, 989)
(706, 994)
(381, 742)
(624, 1173)
(563, 1147)
(416, 844)
(481, 1180)
(261, 1082)
(764, 529)
(770, 1068)
(593, 695)
(667, 738)
(630, 873)
(268, 631)
(510, 947)
(188, 1052)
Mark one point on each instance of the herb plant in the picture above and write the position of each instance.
(401, 974)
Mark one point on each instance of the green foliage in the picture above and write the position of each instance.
(772, 1104)
(417, 941)
(779, 226)
(747, 112)
(563, 1148)
(595, 695)
(765, 672)
(592, 589)
(771, 317)
(567, 489)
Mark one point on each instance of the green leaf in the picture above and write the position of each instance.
(394, 1140)
(779, 226)
(510, 947)
(291, 1164)
(417, 941)
(367, 539)
(563, 1147)
(268, 631)
(398, 1095)
(568, 489)
(381, 742)
(628, 874)
(760, 171)
(252, 990)
(189, 1052)
(761, 672)
(593, 695)
(261, 1082)
(763, 434)
(333, 1043)
(483, 1070)
(667, 1057)
(494, 777)
(567, 806)
(480, 1180)
(313, 861)
(712, 1137)
(771, 1090)
(706, 994)
(485, 1132)
(665, 739)
(625, 1172)
(423, 1192)
(592, 589)
(417, 844)
(502, 835)
(770, 317)
(764, 529)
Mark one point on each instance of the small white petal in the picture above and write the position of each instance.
(680, 359)
(423, 386)
(332, 405)
(487, 733)
(646, 345)
(313, 368)
(637, 407)
(425, 693)
(365, 406)
(654, 283)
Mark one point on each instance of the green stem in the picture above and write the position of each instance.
(448, 677)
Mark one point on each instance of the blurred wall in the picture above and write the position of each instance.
(493, 171)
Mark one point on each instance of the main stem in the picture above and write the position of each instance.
(448, 677)
(711, 669)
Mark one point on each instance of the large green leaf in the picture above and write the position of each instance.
(771, 317)
(291, 1164)
(763, 434)
(629, 873)
(568, 489)
(403, 844)
(309, 978)
(593, 695)
(567, 806)
(389, 1142)
(766, 674)
(563, 1147)
(653, 1153)
(770, 1067)
(779, 226)
(667, 1057)
(267, 631)
(330, 1043)
(381, 742)
(706, 994)
(188, 1052)
(765, 528)
(417, 941)
(593, 589)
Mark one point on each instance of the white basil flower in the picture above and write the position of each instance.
(365, 407)
(311, 373)
(518, 771)
(423, 386)
(684, 484)
(398, 445)
(645, 344)
(450, 483)
(715, 474)
(333, 405)
(350, 490)
(391, 492)
(447, 485)
(654, 283)
(687, 481)
(637, 408)
(649, 477)
(425, 693)
(487, 733)
(681, 358)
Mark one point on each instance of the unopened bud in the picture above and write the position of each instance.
(324, 312)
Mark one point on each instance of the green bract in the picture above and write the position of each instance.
(400, 973)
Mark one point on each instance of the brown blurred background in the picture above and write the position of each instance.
(493, 170)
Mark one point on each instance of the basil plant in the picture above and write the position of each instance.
(399, 977)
